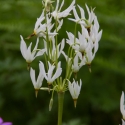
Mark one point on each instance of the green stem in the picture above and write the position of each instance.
(60, 107)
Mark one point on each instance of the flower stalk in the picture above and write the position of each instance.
(60, 106)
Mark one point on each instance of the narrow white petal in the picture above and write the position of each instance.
(57, 5)
(29, 57)
(99, 35)
(32, 75)
(82, 12)
(122, 104)
(70, 86)
(96, 23)
(40, 53)
(123, 122)
(75, 14)
(61, 5)
(34, 50)
(39, 80)
(38, 22)
(50, 72)
(42, 69)
(64, 13)
(60, 25)
(62, 47)
(66, 57)
(87, 10)
(75, 66)
(58, 72)
(23, 47)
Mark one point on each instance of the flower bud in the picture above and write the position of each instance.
(50, 104)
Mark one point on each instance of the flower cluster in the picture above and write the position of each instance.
(82, 48)
(86, 45)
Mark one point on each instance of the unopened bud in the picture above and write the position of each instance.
(50, 104)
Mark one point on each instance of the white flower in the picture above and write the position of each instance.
(36, 83)
(26, 52)
(40, 29)
(87, 42)
(122, 105)
(50, 77)
(68, 59)
(74, 89)
(89, 54)
(76, 64)
(83, 40)
(68, 64)
(71, 42)
(95, 36)
(60, 23)
(53, 54)
(81, 43)
(86, 22)
(123, 122)
(57, 14)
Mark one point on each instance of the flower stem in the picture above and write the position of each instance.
(60, 107)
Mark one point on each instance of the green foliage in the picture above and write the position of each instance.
(98, 103)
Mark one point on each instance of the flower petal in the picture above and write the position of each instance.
(50, 72)
(58, 72)
(34, 50)
(6, 123)
(32, 75)
(23, 47)
(29, 56)
(39, 80)
(1, 120)
(42, 69)
(122, 105)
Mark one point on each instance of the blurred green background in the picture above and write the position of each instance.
(98, 103)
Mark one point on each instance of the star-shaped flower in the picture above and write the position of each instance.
(50, 76)
(53, 53)
(74, 89)
(82, 20)
(36, 83)
(57, 14)
(26, 52)
(43, 27)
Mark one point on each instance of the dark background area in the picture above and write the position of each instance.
(98, 103)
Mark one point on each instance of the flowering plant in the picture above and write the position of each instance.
(81, 51)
